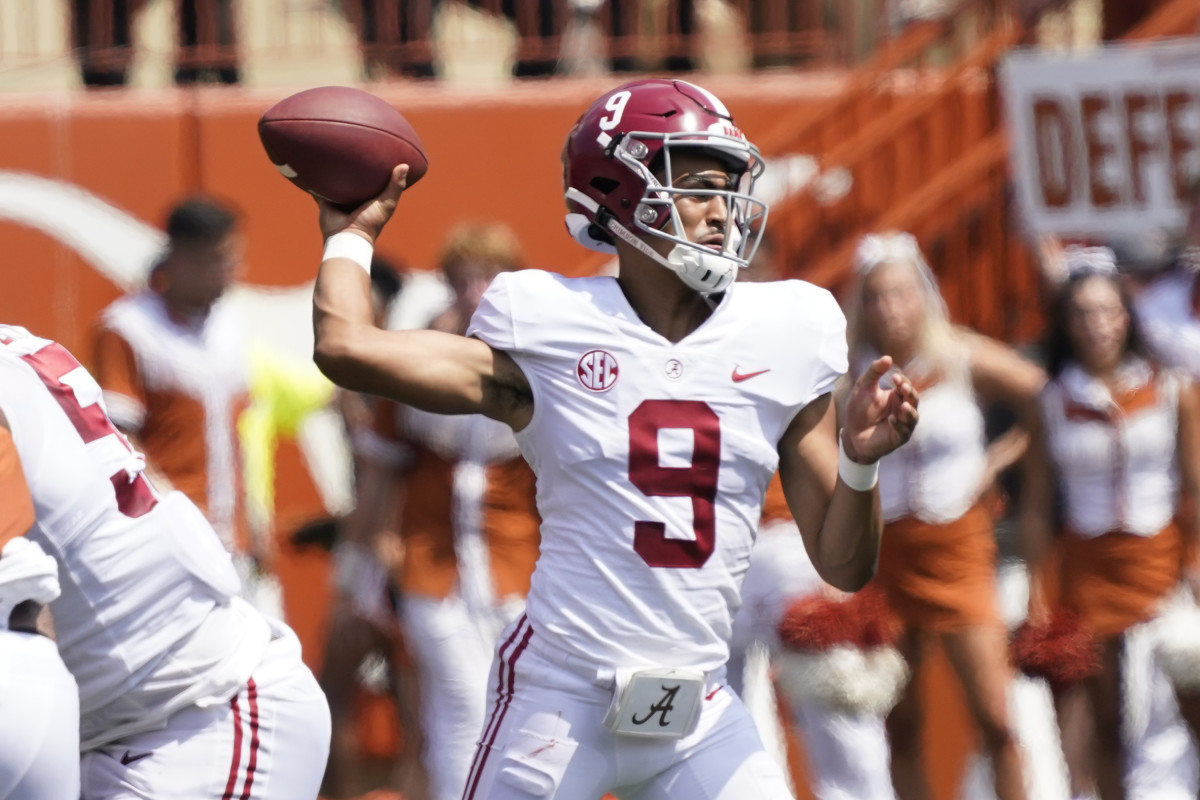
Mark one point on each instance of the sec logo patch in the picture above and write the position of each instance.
(597, 370)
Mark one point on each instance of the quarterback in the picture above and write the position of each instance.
(654, 408)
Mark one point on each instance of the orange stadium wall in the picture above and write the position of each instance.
(493, 155)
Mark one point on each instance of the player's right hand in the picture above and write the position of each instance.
(368, 219)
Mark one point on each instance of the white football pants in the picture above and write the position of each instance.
(545, 738)
(270, 741)
(39, 721)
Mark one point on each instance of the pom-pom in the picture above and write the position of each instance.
(818, 622)
(838, 652)
(1061, 650)
(845, 678)
(1177, 641)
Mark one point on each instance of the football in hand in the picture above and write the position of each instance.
(340, 143)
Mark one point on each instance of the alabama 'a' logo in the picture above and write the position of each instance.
(597, 370)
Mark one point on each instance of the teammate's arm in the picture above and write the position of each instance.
(16, 504)
(1036, 512)
(841, 527)
(1189, 469)
(430, 370)
(16, 518)
(1000, 374)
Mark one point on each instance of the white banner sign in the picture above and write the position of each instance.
(1105, 144)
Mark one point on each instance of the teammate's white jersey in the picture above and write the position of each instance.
(652, 458)
(146, 621)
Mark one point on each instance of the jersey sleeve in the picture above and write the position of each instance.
(115, 368)
(16, 504)
(493, 319)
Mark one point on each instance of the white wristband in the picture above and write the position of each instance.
(352, 246)
(859, 477)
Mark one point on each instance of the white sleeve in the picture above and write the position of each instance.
(492, 321)
(831, 359)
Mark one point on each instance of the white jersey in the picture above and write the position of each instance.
(652, 458)
(936, 475)
(146, 621)
(1118, 467)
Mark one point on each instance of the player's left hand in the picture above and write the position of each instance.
(879, 419)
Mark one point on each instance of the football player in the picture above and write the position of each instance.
(39, 728)
(654, 408)
(185, 690)
(175, 369)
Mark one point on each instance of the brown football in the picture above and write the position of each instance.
(340, 143)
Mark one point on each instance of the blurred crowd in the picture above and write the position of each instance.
(212, 41)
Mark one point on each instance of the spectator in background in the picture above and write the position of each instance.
(937, 559)
(467, 524)
(172, 361)
(1112, 448)
(207, 47)
(103, 41)
(394, 36)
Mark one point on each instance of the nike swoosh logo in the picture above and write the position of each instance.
(128, 759)
(738, 377)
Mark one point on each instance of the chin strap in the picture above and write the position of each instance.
(701, 271)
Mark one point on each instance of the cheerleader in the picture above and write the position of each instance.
(1112, 447)
(937, 560)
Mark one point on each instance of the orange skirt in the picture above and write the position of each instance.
(1114, 580)
(940, 577)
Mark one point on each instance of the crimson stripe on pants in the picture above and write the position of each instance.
(503, 700)
(252, 694)
(237, 750)
(512, 637)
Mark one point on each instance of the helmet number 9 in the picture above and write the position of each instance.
(615, 104)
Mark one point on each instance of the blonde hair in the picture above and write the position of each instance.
(939, 349)
(491, 242)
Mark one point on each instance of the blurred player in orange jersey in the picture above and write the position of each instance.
(185, 690)
(467, 523)
(937, 559)
(39, 727)
(173, 364)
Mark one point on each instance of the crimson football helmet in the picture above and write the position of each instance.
(618, 178)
